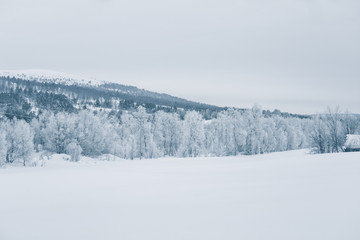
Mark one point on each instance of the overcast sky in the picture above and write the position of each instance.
(298, 56)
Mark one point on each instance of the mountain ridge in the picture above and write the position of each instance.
(67, 92)
(51, 77)
(54, 77)
(51, 90)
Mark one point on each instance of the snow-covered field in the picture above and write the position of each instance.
(288, 195)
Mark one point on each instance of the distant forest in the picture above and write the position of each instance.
(92, 121)
(16, 96)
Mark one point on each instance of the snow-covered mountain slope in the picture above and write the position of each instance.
(41, 75)
(91, 89)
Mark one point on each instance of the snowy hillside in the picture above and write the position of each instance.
(282, 196)
(51, 77)
(87, 91)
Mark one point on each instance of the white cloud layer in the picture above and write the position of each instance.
(298, 56)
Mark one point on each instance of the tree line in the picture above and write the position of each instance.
(140, 134)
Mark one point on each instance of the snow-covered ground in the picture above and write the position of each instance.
(288, 195)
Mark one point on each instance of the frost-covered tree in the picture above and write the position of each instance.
(269, 140)
(320, 136)
(193, 136)
(233, 131)
(58, 132)
(126, 132)
(253, 119)
(329, 132)
(145, 144)
(38, 126)
(281, 134)
(225, 135)
(95, 133)
(336, 130)
(350, 123)
(3, 145)
(167, 133)
(19, 139)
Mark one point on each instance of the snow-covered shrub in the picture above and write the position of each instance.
(37, 163)
(74, 150)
